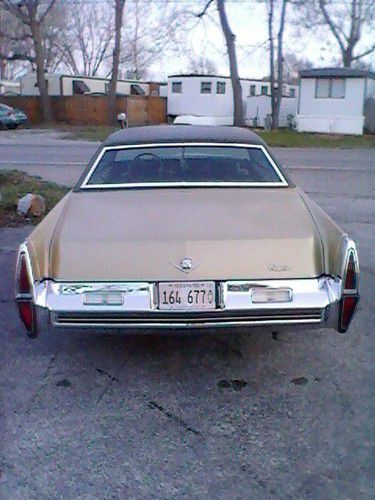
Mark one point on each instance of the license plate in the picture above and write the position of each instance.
(187, 295)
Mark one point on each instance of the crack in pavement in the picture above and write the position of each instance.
(155, 406)
(107, 386)
(102, 372)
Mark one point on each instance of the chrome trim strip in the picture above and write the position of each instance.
(85, 185)
(175, 320)
(218, 324)
(327, 318)
(81, 288)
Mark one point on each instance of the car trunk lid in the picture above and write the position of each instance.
(228, 233)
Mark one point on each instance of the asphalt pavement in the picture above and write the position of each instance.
(230, 415)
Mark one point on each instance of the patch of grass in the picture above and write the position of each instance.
(90, 133)
(277, 138)
(14, 185)
(291, 139)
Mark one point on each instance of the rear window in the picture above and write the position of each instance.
(183, 165)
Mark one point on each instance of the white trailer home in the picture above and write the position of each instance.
(333, 100)
(68, 85)
(212, 96)
(8, 88)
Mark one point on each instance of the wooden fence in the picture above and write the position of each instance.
(93, 110)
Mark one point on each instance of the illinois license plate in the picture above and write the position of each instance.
(187, 295)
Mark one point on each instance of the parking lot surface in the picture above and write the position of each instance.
(229, 415)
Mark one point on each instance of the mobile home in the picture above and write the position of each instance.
(212, 96)
(68, 85)
(334, 100)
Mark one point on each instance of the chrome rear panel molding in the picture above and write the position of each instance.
(310, 301)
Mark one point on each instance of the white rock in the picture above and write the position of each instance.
(31, 204)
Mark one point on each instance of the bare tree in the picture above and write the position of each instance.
(230, 40)
(16, 44)
(201, 65)
(85, 43)
(32, 14)
(347, 20)
(276, 90)
(151, 30)
(119, 13)
(360, 12)
(12, 40)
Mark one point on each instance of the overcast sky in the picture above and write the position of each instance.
(249, 23)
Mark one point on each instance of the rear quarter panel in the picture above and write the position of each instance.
(332, 236)
(39, 241)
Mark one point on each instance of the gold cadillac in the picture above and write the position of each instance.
(186, 227)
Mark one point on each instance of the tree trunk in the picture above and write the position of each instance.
(272, 65)
(347, 57)
(238, 117)
(40, 65)
(119, 11)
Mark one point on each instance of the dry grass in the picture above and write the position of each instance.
(276, 138)
(291, 139)
(14, 185)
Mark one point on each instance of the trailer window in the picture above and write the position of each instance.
(205, 87)
(176, 87)
(337, 88)
(333, 88)
(220, 87)
(321, 88)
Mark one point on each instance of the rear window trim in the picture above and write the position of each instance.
(135, 185)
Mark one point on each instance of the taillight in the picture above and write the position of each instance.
(26, 312)
(24, 285)
(24, 297)
(351, 273)
(350, 294)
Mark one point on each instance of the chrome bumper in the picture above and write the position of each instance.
(313, 302)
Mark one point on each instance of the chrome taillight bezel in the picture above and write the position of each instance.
(349, 256)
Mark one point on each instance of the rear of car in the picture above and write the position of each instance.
(185, 227)
(11, 118)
